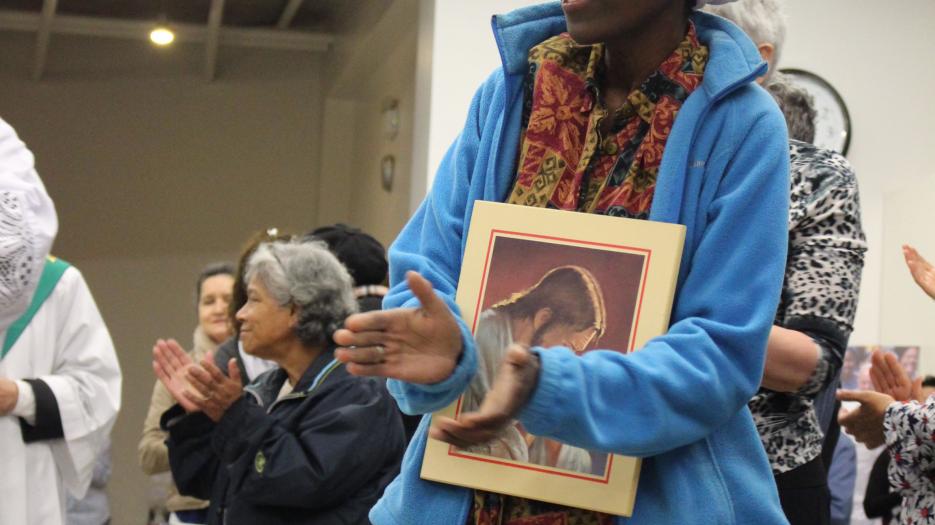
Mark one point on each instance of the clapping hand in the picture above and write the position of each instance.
(418, 345)
(216, 391)
(171, 364)
(197, 387)
(512, 387)
(865, 422)
(890, 378)
(923, 273)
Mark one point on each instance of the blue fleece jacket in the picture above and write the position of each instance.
(680, 402)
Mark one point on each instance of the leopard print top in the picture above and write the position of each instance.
(819, 296)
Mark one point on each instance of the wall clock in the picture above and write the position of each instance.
(833, 121)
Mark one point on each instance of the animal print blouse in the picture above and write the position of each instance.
(819, 296)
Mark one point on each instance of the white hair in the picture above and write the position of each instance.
(764, 21)
(307, 275)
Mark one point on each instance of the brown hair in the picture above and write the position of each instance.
(239, 295)
(570, 292)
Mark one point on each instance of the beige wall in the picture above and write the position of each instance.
(870, 51)
(907, 315)
(373, 66)
(155, 173)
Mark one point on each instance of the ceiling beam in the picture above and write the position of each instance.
(213, 38)
(139, 30)
(43, 35)
(288, 14)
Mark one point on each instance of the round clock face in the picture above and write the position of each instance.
(832, 121)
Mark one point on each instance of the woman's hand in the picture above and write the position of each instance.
(865, 422)
(171, 364)
(197, 388)
(418, 345)
(889, 377)
(922, 271)
(512, 387)
(214, 392)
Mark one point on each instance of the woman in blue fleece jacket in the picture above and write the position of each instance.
(724, 175)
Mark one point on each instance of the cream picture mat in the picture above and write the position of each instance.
(661, 244)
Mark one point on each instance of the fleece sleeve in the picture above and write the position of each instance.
(683, 385)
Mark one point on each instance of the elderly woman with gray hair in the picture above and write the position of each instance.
(304, 443)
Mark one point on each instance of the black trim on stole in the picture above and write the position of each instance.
(48, 419)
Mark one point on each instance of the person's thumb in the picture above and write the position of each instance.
(233, 371)
(424, 292)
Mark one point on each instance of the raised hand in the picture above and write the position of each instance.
(171, 364)
(865, 422)
(214, 392)
(418, 345)
(923, 273)
(515, 381)
(889, 377)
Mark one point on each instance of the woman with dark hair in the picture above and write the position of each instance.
(212, 297)
(645, 109)
(249, 366)
(298, 444)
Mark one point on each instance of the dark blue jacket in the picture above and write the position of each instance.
(320, 455)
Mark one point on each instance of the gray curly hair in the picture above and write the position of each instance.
(308, 276)
(764, 21)
(797, 106)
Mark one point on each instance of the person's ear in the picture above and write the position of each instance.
(541, 318)
(767, 52)
(294, 312)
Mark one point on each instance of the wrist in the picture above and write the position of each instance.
(9, 395)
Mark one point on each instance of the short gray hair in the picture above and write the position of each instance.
(764, 21)
(307, 275)
(797, 106)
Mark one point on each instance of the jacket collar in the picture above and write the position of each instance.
(733, 59)
(268, 385)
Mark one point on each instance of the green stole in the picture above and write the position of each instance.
(51, 274)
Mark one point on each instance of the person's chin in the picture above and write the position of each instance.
(573, 8)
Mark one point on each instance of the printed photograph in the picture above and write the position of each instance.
(540, 293)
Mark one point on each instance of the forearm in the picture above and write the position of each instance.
(153, 453)
(791, 359)
(194, 464)
(152, 450)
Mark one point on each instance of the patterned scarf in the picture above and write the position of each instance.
(565, 162)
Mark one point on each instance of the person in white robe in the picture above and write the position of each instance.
(59, 376)
(28, 224)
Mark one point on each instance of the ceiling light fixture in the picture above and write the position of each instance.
(161, 35)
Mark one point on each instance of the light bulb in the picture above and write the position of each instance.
(162, 36)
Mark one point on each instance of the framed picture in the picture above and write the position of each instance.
(548, 278)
